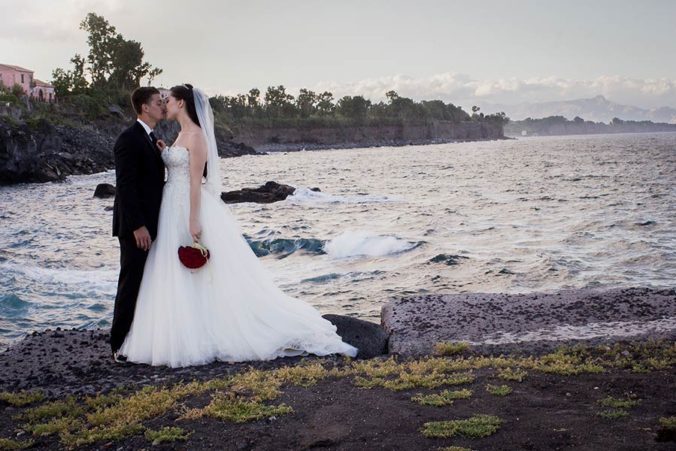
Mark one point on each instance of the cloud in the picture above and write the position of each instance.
(48, 20)
(463, 90)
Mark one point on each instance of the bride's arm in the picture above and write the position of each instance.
(198, 157)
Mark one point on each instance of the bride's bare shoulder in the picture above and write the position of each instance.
(195, 139)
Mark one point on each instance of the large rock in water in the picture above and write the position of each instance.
(264, 194)
(370, 338)
(528, 322)
(104, 190)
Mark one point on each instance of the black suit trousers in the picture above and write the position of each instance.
(132, 262)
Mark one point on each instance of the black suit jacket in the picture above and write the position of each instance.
(139, 174)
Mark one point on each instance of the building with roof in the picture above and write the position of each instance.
(11, 75)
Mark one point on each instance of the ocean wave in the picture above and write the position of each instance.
(96, 278)
(354, 243)
(284, 247)
(11, 303)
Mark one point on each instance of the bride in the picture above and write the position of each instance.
(229, 309)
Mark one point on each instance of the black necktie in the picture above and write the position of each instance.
(153, 138)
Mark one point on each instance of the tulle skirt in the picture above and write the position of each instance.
(228, 310)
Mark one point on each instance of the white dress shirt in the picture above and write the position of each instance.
(145, 126)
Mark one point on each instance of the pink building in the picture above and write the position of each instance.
(15, 75)
(11, 75)
(42, 91)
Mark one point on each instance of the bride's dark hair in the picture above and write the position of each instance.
(184, 92)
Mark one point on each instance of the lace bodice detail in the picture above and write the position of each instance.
(177, 160)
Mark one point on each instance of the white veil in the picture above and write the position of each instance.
(206, 117)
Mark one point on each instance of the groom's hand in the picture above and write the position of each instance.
(142, 237)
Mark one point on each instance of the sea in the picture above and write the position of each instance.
(534, 214)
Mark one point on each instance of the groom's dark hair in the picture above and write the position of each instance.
(141, 96)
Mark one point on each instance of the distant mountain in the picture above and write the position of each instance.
(597, 109)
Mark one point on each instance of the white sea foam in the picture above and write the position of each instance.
(352, 243)
(304, 195)
(96, 278)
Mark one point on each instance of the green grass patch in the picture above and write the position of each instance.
(10, 444)
(241, 410)
(498, 390)
(619, 403)
(67, 408)
(474, 427)
(166, 434)
(512, 374)
(450, 347)
(668, 422)
(445, 398)
(613, 414)
(22, 398)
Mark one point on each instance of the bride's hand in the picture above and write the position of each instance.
(161, 144)
(195, 230)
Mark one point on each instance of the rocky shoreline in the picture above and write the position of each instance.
(309, 146)
(37, 150)
(488, 342)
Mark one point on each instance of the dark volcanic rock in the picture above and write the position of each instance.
(370, 338)
(104, 190)
(270, 192)
(43, 152)
(39, 151)
(265, 194)
(79, 361)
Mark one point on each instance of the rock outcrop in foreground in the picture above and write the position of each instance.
(78, 361)
(535, 321)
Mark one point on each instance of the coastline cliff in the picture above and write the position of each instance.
(433, 132)
(39, 148)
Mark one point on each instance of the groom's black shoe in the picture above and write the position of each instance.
(117, 357)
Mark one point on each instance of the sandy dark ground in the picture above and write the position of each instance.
(544, 411)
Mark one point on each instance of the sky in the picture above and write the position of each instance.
(464, 52)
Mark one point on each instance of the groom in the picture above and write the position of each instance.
(139, 174)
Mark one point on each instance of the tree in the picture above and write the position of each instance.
(306, 102)
(476, 115)
(353, 107)
(112, 63)
(253, 99)
(325, 104)
(278, 102)
(70, 82)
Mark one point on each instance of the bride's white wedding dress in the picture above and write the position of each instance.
(228, 310)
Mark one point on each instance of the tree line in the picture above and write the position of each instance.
(114, 66)
(277, 105)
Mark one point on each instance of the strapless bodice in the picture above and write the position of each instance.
(177, 160)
